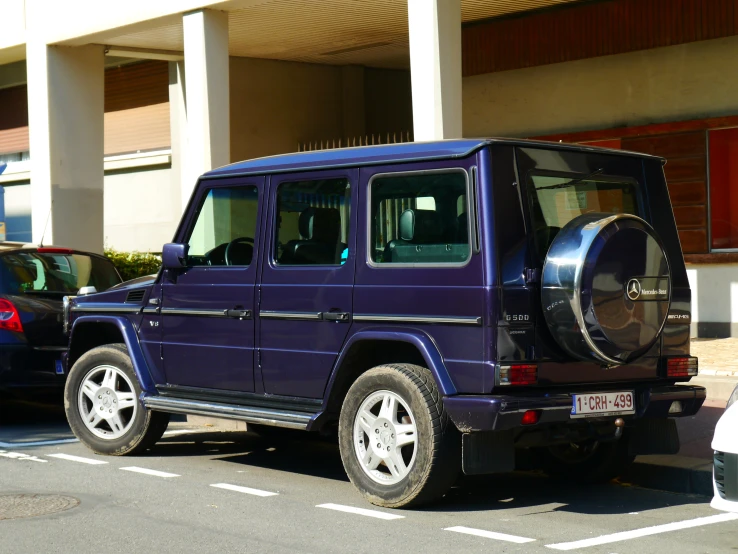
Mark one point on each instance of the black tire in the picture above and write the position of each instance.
(598, 462)
(147, 426)
(437, 460)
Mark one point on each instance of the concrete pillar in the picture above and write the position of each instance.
(435, 66)
(208, 108)
(178, 130)
(353, 108)
(66, 118)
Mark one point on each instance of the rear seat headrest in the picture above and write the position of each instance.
(421, 226)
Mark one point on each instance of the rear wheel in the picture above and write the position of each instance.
(101, 400)
(398, 446)
(587, 462)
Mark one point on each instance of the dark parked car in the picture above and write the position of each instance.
(33, 281)
(447, 306)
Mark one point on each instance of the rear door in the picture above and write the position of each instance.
(208, 308)
(307, 281)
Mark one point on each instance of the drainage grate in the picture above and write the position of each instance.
(14, 506)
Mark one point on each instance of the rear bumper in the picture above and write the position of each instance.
(502, 412)
(23, 366)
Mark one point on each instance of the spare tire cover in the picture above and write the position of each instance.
(606, 288)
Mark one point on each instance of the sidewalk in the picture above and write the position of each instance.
(717, 357)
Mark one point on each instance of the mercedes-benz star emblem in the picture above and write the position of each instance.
(633, 289)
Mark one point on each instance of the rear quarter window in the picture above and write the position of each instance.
(419, 218)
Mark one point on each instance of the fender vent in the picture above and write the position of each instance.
(136, 295)
(718, 471)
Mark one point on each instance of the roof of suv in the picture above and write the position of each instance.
(403, 152)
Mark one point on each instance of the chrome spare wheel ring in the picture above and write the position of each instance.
(107, 402)
(385, 437)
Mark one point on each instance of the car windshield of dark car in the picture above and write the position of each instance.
(556, 198)
(42, 273)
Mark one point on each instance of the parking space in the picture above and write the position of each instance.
(290, 492)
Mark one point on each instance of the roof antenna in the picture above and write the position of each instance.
(41, 242)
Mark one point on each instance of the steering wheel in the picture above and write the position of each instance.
(237, 240)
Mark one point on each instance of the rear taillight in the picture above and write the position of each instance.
(9, 317)
(681, 367)
(517, 374)
(531, 417)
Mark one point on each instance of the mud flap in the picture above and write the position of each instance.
(654, 436)
(487, 452)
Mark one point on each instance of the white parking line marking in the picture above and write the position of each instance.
(149, 471)
(79, 459)
(646, 531)
(37, 443)
(245, 490)
(359, 511)
(21, 456)
(489, 534)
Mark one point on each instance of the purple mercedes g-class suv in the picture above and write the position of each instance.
(445, 306)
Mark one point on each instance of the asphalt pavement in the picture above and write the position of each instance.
(206, 490)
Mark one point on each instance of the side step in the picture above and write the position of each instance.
(263, 416)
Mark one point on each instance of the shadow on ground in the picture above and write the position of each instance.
(300, 453)
(290, 451)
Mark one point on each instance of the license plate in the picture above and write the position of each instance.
(603, 404)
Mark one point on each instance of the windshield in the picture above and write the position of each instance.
(557, 198)
(42, 273)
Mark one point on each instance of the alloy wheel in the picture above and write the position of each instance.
(385, 437)
(107, 402)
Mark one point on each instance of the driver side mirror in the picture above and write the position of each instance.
(174, 255)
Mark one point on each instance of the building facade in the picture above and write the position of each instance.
(109, 110)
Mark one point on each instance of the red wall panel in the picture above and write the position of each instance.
(592, 29)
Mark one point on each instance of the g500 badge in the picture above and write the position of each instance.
(517, 317)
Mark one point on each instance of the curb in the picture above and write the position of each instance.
(719, 387)
(217, 423)
(679, 474)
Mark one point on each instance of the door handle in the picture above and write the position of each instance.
(240, 314)
(335, 316)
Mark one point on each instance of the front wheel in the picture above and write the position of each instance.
(398, 445)
(101, 400)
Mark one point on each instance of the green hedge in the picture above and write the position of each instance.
(133, 264)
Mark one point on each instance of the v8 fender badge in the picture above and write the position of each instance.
(633, 289)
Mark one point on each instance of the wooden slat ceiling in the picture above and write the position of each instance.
(339, 32)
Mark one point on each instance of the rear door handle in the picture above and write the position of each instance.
(335, 316)
(239, 314)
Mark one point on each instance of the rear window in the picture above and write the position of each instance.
(557, 198)
(33, 272)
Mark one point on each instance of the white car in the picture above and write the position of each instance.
(725, 468)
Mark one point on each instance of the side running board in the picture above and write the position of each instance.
(263, 416)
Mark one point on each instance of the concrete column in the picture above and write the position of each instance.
(353, 116)
(66, 119)
(178, 130)
(435, 66)
(208, 108)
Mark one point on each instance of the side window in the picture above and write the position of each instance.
(225, 227)
(313, 222)
(420, 218)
